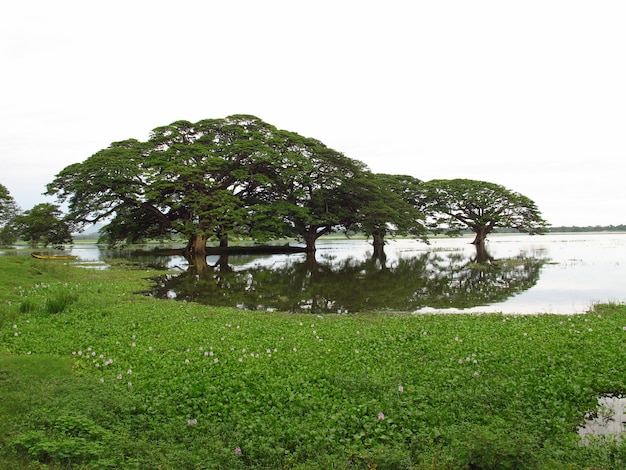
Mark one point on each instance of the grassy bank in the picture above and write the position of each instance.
(93, 375)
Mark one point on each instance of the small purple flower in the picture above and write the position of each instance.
(400, 388)
(381, 416)
(237, 450)
(192, 422)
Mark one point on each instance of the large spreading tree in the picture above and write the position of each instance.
(456, 205)
(310, 196)
(381, 205)
(209, 180)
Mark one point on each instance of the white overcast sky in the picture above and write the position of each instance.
(529, 94)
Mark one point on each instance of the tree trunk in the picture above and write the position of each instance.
(379, 246)
(224, 241)
(309, 239)
(312, 233)
(482, 255)
(196, 246)
(481, 236)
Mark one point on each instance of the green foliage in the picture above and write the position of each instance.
(67, 440)
(59, 301)
(8, 207)
(43, 225)
(9, 210)
(379, 205)
(120, 380)
(461, 204)
(216, 178)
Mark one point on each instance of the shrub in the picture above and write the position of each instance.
(57, 302)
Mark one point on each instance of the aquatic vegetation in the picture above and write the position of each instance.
(156, 383)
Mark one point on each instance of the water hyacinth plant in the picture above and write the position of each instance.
(142, 383)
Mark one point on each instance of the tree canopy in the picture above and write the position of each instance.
(379, 205)
(8, 207)
(8, 211)
(216, 178)
(463, 204)
(43, 225)
(239, 176)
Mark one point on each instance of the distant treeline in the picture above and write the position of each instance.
(596, 228)
(575, 228)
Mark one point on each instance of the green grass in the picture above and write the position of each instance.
(111, 379)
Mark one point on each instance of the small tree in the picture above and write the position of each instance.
(8, 211)
(463, 204)
(42, 225)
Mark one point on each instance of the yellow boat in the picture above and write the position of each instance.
(34, 255)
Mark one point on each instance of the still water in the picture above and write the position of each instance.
(554, 273)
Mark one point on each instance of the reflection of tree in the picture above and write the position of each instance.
(460, 283)
(429, 279)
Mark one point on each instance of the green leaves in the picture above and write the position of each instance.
(9, 210)
(206, 179)
(43, 225)
(185, 384)
(462, 204)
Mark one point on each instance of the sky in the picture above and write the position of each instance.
(528, 94)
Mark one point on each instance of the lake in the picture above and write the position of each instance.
(553, 273)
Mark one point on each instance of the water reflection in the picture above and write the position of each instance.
(333, 283)
(578, 270)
